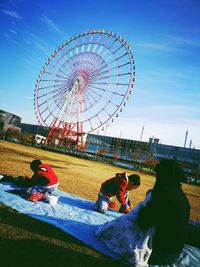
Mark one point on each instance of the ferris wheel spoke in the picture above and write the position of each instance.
(92, 57)
(105, 65)
(71, 100)
(97, 115)
(108, 49)
(116, 75)
(67, 62)
(49, 80)
(92, 91)
(58, 105)
(83, 46)
(47, 72)
(49, 86)
(103, 72)
(92, 95)
(107, 91)
(109, 115)
(59, 76)
(120, 66)
(111, 83)
(60, 92)
(87, 58)
(116, 59)
(72, 58)
(93, 76)
(76, 46)
(43, 111)
(47, 109)
(87, 94)
(70, 50)
(90, 42)
(75, 66)
(67, 69)
(95, 46)
(103, 44)
(50, 92)
(50, 98)
(111, 102)
(66, 75)
(50, 114)
(97, 71)
(114, 52)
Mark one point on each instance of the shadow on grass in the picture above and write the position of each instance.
(25, 241)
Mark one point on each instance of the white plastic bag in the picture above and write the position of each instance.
(142, 251)
(51, 199)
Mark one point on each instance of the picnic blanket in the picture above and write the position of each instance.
(75, 216)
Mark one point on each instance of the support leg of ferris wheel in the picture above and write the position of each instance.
(79, 138)
(53, 126)
(76, 92)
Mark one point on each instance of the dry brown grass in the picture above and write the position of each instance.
(78, 176)
(23, 237)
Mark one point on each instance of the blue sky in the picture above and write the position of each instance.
(165, 40)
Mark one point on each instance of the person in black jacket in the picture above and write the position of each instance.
(168, 211)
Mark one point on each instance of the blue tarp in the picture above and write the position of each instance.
(73, 215)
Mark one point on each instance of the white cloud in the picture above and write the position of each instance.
(51, 25)
(10, 38)
(155, 46)
(13, 31)
(40, 44)
(169, 43)
(12, 14)
(183, 41)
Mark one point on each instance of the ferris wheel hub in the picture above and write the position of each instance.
(79, 80)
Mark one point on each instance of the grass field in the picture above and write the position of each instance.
(28, 242)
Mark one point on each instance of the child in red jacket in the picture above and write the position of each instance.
(118, 186)
(43, 181)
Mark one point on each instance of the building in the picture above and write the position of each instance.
(9, 121)
(34, 129)
(130, 153)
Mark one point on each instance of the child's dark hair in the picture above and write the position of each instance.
(135, 179)
(34, 164)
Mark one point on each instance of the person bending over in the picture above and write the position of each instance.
(43, 182)
(43, 177)
(119, 187)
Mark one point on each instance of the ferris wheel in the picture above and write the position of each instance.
(85, 83)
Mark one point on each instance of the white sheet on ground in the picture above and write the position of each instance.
(76, 216)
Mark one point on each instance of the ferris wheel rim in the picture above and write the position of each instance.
(130, 85)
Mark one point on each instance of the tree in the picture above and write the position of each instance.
(12, 132)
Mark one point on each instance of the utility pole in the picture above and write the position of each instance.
(186, 134)
(142, 133)
(190, 144)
